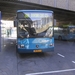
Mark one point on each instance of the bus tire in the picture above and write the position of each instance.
(59, 38)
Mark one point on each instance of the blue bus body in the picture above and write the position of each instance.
(33, 33)
(35, 45)
(65, 33)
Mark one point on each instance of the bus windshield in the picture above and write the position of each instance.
(35, 24)
(65, 30)
(72, 30)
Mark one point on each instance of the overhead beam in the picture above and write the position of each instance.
(9, 9)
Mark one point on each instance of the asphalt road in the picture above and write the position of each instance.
(61, 62)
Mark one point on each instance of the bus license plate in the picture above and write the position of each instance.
(37, 50)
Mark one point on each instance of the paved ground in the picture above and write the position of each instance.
(62, 62)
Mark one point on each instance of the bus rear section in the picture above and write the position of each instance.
(71, 35)
(64, 33)
(34, 31)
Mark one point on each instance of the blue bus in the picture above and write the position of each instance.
(64, 33)
(34, 31)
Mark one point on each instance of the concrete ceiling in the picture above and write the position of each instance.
(9, 8)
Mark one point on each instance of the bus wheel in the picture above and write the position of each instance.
(59, 38)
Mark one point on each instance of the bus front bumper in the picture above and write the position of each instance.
(35, 50)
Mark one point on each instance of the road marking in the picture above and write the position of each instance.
(61, 55)
(49, 72)
(73, 62)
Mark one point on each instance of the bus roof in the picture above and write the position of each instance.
(49, 11)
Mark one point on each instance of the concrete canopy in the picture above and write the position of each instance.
(9, 8)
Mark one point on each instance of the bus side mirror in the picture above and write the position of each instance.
(15, 23)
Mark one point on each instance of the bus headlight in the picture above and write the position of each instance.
(51, 44)
(21, 46)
